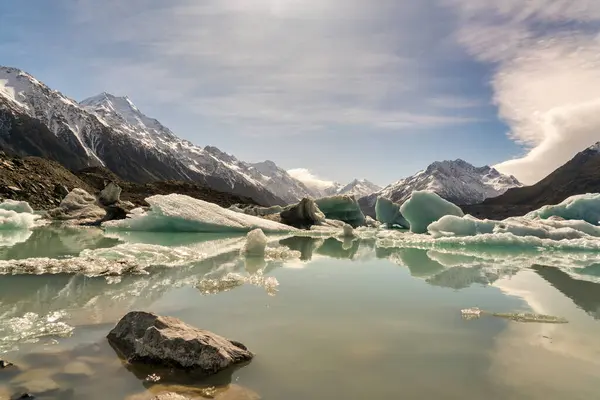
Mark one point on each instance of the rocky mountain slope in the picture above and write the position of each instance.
(43, 184)
(456, 181)
(109, 131)
(358, 188)
(578, 176)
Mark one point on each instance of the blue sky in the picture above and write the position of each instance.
(345, 88)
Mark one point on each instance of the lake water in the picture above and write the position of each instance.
(350, 319)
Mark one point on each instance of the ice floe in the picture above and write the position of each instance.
(179, 213)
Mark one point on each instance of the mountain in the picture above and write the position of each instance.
(359, 188)
(578, 176)
(278, 181)
(38, 181)
(110, 131)
(456, 181)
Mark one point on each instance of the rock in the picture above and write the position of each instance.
(23, 396)
(39, 387)
(170, 396)
(5, 364)
(78, 368)
(151, 339)
(111, 194)
(237, 392)
(114, 212)
(78, 205)
(302, 215)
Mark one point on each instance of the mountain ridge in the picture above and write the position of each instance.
(454, 180)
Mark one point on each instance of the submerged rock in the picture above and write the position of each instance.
(302, 215)
(342, 208)
(152, 339)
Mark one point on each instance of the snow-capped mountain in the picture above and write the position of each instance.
(110, 131)
(278, 181)
(359, 188)
(456, 181)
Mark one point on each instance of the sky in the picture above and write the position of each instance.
(334, 89)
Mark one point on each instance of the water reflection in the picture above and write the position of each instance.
(584, 294)
(55, 242)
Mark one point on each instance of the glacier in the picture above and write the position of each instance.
(424, 207)
(180, 213)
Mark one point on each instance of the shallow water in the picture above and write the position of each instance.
(350, 319)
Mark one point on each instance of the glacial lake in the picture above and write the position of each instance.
(343, 319)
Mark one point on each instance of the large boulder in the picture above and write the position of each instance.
(151, 339)
(342, 208)
(110, 195)
(302, 215)
(424, 207)
(78, 205)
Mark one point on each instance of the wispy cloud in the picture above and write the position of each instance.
(311, 180)
(283, 66)
(547, 74)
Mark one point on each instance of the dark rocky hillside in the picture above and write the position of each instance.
(40, 182)
(578, 176)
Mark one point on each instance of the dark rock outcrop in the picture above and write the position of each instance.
(167, 341)
(302, 215)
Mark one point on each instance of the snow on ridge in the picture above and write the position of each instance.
(457, 181)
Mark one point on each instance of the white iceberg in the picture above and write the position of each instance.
(12, 220)
(424, 207)
(584, 207)
(256, 243)
(17, 206)
(179, 213)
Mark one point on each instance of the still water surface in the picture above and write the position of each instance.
(349, 320)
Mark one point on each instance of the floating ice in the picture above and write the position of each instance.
(256, 242)
(233, 280)
(449, 226)
(17, 206)
(424, 207)
(30, 327)
(342, 208)
(179, 213)
(584, 207)
(12, 220)
(348, 231)
(387, 212)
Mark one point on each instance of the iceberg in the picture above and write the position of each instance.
(12, 220)
(584, 207)
(387, 212)
(256, 243)
(424, 207)
(342, 208)
(180, 213)
(17, 206)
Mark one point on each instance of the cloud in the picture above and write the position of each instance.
(309, 179)
(271, 66)
(547, 74)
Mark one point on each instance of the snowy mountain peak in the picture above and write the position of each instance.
(457, 181)
(595, 147)
(359, 188)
